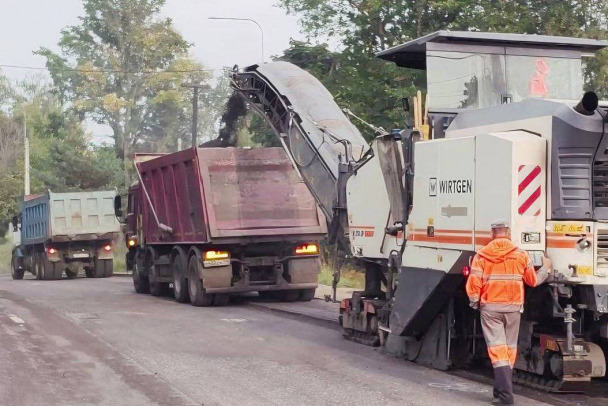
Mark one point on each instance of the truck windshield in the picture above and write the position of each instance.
(460, 80)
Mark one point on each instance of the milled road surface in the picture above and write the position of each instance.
(96, 342)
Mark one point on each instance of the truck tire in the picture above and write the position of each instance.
(48, 269)
(16, 273)
(37, 266)
(51, 270)
(157, 288)
(140, 282)
(268, 295)
(71, 274)
(99, 268)
(221, 299)
(180, 282)
(198, 297)
(306, 295)
(288, 295)
(108, 268)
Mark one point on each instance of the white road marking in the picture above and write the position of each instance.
(234, 320)
(16, 319)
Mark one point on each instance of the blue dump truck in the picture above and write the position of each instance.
(66, 232)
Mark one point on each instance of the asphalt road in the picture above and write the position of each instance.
(96, 342)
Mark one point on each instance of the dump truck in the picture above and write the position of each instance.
(511, 135)
(66, 232)
(216, 221)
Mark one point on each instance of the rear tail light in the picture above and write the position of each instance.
(212, 255)
(307, 249)
(466, 271)
(107, 248)
(51, 251)
(216, 258)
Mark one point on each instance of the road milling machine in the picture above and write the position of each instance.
(511, 137)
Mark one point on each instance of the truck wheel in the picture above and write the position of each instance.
(198, 297)
(221, 299)
(48, 268)
(37, 266)
(156, 288)
(58, 268)
(288, 295)
(268, 295)
(180, 282)
(141, 283)
(71, 274)
(16, 273)
(108, 268)
(99, 268)
(306, 295)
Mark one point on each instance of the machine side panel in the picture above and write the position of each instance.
(494, 185)
(511, 179)
(367, 222)
(444, 202)
(425, 195)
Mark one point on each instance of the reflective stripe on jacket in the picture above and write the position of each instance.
(498, 273)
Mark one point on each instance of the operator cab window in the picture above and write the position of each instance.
(474, 76)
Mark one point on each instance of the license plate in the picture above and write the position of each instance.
(81, 255)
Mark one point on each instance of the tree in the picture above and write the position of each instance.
(61, 157)
(372, 88)
(123, 66)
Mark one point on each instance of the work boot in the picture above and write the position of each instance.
(503, 385)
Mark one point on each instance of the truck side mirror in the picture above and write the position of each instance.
(117, 206)
(15, 222)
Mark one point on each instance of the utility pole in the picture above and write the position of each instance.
(195, 87)
(26, 144)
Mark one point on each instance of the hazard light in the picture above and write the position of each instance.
(307, 249)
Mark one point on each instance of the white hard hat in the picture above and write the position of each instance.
(500, 224)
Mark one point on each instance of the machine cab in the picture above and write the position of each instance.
(474, 70)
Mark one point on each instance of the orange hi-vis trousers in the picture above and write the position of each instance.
(501, 331)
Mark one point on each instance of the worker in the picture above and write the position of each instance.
(496, 287)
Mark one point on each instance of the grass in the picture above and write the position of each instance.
(120, 250)
(349, 277)
(6, 249)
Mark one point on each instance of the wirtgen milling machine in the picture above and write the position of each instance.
(510, 140)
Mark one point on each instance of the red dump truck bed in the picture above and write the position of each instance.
(220, 195)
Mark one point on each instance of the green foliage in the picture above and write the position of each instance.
(61, 156)
(372, 89)
(124, 66)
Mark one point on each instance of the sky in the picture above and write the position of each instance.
(26, 25)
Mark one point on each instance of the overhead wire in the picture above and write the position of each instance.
(76, 70)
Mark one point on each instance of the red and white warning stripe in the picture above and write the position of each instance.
(529, 180)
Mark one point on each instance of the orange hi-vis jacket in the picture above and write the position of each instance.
(498, 273)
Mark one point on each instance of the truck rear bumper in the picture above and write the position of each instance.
(263, 288)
